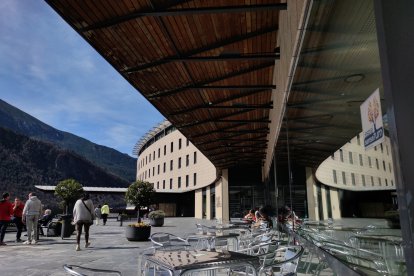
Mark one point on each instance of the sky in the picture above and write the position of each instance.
(48, 71)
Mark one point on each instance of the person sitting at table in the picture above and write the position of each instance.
(250, 216)
(46, 218)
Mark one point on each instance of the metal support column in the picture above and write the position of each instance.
(394, 20)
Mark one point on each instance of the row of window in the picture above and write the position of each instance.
(187, 182)
(152, 156)
(147, 173)
(364, 180)
(368, 160)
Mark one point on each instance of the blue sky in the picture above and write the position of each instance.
(48, 71)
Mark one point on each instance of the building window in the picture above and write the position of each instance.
(153, 155)
(386, 182)
(360, 160)
(351, 161)
(187, 160)
(188, 142)
(343, 178)
(179, 182)
(341, 155)
(375, 148)
(159, 153)
(386, 147)
(171, 165)
(187, 180)
(195, 179)
(195, 157)
(163, 184)
(363, 180)
(179, 162)
(158, 184)
(179, 143)
(164, 167)
(382, 148)
(158, 169)
(171, 183)
(153, 171)
(150, 158)
(379, 181)
(333, 156)
(353, 178)
(146, 160)
(334, 176)
(376, 162)
(383, 165)
(372, 180)
(392, 183)
(358, 140)
(389, 166)
(145, 173)
(165, 150)
(172, 146)
(369, 161)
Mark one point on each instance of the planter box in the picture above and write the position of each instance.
(137, 233)
(157, 222)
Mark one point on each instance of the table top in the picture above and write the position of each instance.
(194, 259)
(213, 235)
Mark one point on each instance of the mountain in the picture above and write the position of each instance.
(26, 162)
(20, 122)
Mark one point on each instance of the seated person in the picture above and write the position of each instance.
(264, 218)
(46, 218)
(250, 216)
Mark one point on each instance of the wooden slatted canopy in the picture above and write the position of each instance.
(206, 65)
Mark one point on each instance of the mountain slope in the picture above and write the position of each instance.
(115, 162)
(26, 162)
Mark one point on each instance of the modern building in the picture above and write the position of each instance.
(266, 90)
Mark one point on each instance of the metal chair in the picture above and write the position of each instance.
(70, 269)
(167, 241)
(286, 260)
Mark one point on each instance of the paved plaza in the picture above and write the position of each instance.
(109, 250)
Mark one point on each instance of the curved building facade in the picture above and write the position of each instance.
(175, 166)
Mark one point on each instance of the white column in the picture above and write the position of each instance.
(311, 195)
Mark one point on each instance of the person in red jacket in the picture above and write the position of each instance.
(6, 211)
(17, 217)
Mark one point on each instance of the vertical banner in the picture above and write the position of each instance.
(371, 117)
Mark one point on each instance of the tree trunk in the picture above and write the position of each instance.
(139, 218)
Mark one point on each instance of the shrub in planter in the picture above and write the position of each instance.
(156, 218)
(140, 194)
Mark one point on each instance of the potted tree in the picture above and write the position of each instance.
(69, 190)
(140, 194)
(156, 218)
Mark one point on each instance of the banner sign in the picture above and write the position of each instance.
(371, 117)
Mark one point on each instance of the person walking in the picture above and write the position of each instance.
(31, 213)
(17, 218)
(6, 211)
(105, 212)
(98, 214)
(83, 216)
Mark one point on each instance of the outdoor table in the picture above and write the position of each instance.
(184, 262)
(212, 237)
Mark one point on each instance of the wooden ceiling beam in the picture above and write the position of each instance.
(184, 11)
(224, 77)
(215, 45)
(238, 96)
(244, 57)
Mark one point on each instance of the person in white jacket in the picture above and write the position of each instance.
(83, 216)
(31, 212)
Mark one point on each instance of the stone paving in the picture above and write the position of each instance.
(109, 250)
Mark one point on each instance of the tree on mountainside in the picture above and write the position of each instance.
(69, 190)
